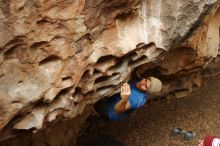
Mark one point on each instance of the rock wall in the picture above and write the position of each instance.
(57, 57)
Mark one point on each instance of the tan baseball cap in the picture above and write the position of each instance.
(155, 86)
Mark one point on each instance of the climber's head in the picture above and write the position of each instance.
(150, 85)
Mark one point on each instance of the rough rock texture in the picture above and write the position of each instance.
(57, 57)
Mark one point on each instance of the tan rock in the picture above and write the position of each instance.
(57, 57)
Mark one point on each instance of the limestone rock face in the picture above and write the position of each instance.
(57, 57)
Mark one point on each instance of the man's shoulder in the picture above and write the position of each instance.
(137, 99)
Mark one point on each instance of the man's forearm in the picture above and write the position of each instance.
(120, 106)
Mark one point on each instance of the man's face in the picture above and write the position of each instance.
(144, 84)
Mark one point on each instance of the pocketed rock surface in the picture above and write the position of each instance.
(59, 57)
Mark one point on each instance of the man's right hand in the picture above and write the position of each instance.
(125, 91)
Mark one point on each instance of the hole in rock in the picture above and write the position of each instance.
(16, 119)
(105, 58)
(49, 59)
(38, 44)
(96, 71)
(105, 88)
(13, 51)
(66, 78)
(104, 78)
(152, 72)
(77, 95)
(63, 91)
(15, 47)
(139, 60)
(124, 16)
(85, 74)
(19, 82)
(117, 66)
(101, 90)
(50, 66)
(44, 20)
(77, 91)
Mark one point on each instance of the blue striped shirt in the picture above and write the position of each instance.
(136, 99)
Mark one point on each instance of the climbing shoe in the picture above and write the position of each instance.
(176, 131)
(189, 135)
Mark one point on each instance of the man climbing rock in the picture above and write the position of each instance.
(132, 96)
